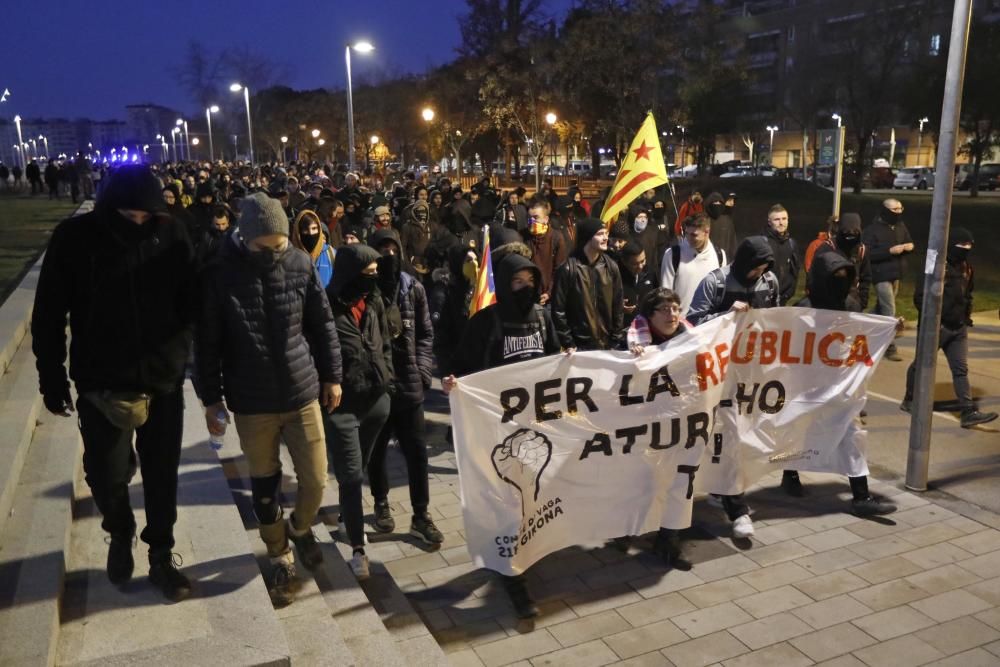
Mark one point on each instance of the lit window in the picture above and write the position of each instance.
(935, 44)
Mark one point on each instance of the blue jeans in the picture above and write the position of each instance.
(885, 293)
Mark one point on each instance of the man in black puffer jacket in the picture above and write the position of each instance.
(125, 276)
(267, 345)
(409, 322)
(366, 349)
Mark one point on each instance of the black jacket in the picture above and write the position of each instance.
(879, 237)
(786, 264)
(723, 232)
(826, 290)
(366, 347)
(499, 334)
(450, 297)
(588, 303)
(265, 338)
(956, 301)
(131, 297)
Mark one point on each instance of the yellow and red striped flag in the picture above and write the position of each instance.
(485, 293)
(642, 169)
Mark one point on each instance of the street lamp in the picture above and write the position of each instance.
(246, 99)
(551, 119)
(683, 137)
(45, 139)
(173, 139)
(920, 136)
(360, 47)
(186, 140)
(373, 140)
(34, 148)
(208, 117)
(428, 115)
(315, 134)
(837, 118)
(20, 139)
(284, 140)
(770, 151)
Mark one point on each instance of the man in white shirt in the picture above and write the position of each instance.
(686, 263)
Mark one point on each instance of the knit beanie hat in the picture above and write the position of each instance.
(133, 187)
(261, 215)
(960, 236)
(585, 230)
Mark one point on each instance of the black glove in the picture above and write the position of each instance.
(59, 402)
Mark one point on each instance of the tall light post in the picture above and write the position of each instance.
(837, 118)
(163, 147)
(187, 138)
(360, 47)
(173, 139)
(550, 120)
(20, 139)
(208, 117)
(920, 136)
(770, 151)
(373, 140)
(34, 148)
(45, 139)
(284, 141)
(683, 154)
(428, 115)
(236, 87)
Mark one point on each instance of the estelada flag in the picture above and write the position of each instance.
(485, 293)
(642, 169)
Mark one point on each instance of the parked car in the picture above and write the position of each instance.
(988, 173)
(741, 171)
(920, 178)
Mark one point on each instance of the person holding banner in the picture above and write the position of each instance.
(513, 329)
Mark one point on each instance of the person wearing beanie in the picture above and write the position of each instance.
(956, 318)
(267, 350)
(888, 242)
(124, 274)
(587, 298)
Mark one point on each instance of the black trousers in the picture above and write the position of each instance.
(107, 454)
(407, 422)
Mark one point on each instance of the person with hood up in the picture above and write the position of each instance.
(408, 317)
(646, 233)
(830, 281)
(515, 328)
(201, 209)
(307, 236)
(746, 283)
(888, 242)
(172, 197)
(587, 297)
(694, 204)
(723, 230)
(845, 240)
(450, 296)
(366, 351)
(548, 247)
(786, 253)
(124, 274)
(415, 236)
(956, 318)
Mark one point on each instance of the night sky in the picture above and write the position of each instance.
(71, 58)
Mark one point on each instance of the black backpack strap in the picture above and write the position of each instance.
(675, 257)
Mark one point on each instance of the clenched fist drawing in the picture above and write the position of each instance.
(520, 460)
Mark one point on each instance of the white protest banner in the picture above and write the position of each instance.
(566, 450)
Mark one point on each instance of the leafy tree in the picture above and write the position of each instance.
(980, 118)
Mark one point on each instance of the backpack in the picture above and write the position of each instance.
(719, 303)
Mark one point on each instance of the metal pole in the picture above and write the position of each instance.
(173, 140)
(187, 141)
(211, 146)
(350, 112)
(920, 137)
(246, 98)
(918, 459)
(838, 174)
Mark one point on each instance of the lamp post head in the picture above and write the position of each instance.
(180, 121)
(427, 114)
(17, 119)
(321, 142)
(315, 133)
(550, 118)
(363, 47)
(284, 139)
(195, 141)
(236, 87)
(213, 109)
(374, 139)
(925, 119)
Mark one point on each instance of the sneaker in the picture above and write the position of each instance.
(163, 574)
(792, 485)
(384, 523)
(974, 417)
(120, 560)
(871, 506)
(359, 565)
(283, 585)
(906, 405)
(309, 550)
(423, 527)
(892, 354)
(743, 527)
(669, 547)
(517, 590)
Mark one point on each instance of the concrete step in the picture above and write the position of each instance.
(33, 544)
(228, 620)
(20, 404)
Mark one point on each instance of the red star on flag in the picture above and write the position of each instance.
(643, 151)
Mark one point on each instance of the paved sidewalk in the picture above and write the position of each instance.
(817, 585)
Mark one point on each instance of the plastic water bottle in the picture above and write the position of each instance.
(216, 441)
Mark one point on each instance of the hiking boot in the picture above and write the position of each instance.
(359, 565)
(792, 485)
(892, 354)
(669, 547)
(283, 584)
(309, 550)
(973, 417)
(743, 527)
(871, 506)
(120, 560)
(423, 527)
(163, 574)
(906, 405)
(517, 590)
(384, 523)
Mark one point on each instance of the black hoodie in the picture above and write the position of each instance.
(723, 287)
(848, 227)
(504, 333)
(826, 290)
(723, 232)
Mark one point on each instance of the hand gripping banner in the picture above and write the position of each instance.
(566, 450)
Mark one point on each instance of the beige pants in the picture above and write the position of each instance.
(302, 431)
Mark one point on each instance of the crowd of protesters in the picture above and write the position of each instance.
(61, 177)
(320, 304)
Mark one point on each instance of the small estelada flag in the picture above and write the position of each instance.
(643, 168)
(485, 293)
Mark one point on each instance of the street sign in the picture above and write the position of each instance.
(827, 147)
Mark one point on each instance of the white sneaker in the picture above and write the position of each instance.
(743, 527)
(359, 566)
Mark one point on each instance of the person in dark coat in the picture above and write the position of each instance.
(125, 275)
(637, 279)
(450, 297)
(52, 179)
(888, 242)
(515, 328)
(787, 262)
(956, 318)
(34, 175)
(267, 349)
(366, 349)
(587, 299)
(845, 239)
(723, 230)
(201, 210)
(646, 234)
(415, 236)
(408, 316)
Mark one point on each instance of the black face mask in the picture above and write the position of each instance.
(847, 242)
(266, 258)
(388, 273)
(890, 217)
(524, 299)
(359, 288)
(957, 255)
(309, 241)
